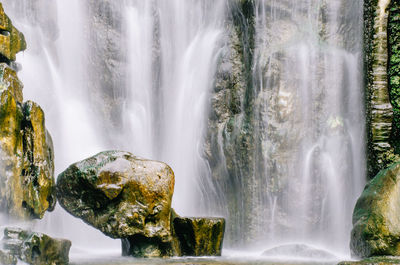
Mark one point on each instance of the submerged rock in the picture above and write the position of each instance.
(380, 260)
(120, 194)
(376, 217)
(27, 158)
(35, 248)
(299, 251)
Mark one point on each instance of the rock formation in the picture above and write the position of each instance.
(33, 248)
(376, 217)
(26, 166)
(380, 152)
(129, 197)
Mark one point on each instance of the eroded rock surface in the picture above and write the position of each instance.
(35, 248)
(119, 194)
(376, 217)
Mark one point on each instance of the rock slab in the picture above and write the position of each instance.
(35, 248)
(376, 216)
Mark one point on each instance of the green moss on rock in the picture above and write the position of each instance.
(376, 217)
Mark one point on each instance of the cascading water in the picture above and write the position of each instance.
(139, 75)
(308, 75)
(293, 154)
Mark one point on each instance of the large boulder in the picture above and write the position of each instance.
(11, 40)
(34, 248)
(120, 194)
(376, 217)
(128, 197)
(27, 159)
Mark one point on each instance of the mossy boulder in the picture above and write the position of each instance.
(27, 182)
(376, 217)
(11, 40)
(35, 248)
(120, 194)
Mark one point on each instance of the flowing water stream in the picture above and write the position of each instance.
(141, 75)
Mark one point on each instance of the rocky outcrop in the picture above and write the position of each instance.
(119, 194)
(34, 248)
(11, 40)
(380, 152)
(376, 217)
(26, 166)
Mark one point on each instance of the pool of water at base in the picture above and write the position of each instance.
(112, 258)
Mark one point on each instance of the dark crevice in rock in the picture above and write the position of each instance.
(4, 59)
(142, 246)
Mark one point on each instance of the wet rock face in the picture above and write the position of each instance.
(199, 236)
(34, 248)
(119, 194)
(27, 160)
(11, 40)
(376, 217)
(379, 108)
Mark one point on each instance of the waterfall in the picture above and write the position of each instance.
(280, 153)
